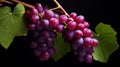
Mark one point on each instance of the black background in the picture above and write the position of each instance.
(95, 11)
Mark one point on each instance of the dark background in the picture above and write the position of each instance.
(95, 11)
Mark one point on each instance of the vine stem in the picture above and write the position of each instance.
(55, 8)
(61, 7)
(5, 1)
(31, 6)
(25, 4)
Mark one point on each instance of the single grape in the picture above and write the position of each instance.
(45, 23)
(69, 19)
(44, 56)
(79, 42)
(94, 42)
(49, 14)
(39, 7)
(54, 22)
(80, 26)
(78, 34)
(31, 27)
(27, 14)
(69, 35)
(87, 32)
(88, 58)
(72, 25)
(89, 49)
(45, 34)
(59, 28)
(73, 15)
(86, 24)
(53, 34)
(63, 18)
(51, 51)
(87, 41)
(80, 19)
(34, 19)
(33, 11)
(56, 15)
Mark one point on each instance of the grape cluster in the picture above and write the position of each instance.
(80, 37)
(43, 26)
(40, 31)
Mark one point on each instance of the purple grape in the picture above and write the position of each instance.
(63, 18)
(39, 7)
(34, 19)
(56, 15)
(53, 34)
(41, 40)
(49, 14)
(78, 34)
(50, 42)
(44, 47)
(78, 42)
(89, 49)
(69, 35)
(31, 27)
(94, 42)
(80, 26)
(27, 14)
(80, 19)
(82, 53)
(51, 51)
(87, 32)
(69, 19)
(72, 25)
(87, 41)
(74, 47)
(88, 58)
(73, 15)
(54, 22)
(59, 28)
(44, 56)
(45, 34)
(86, 24)
(45, 23)
(33, 11)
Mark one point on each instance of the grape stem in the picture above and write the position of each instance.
(59, 6)
(5, 1)
(25, 4)
(55, 8)
(16, 1)
(31, 6)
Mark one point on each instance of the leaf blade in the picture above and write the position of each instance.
(11, 25)
(19, 9)
(107, 42)
(62, 48)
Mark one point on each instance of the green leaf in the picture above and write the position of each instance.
(61, 47)
(11, 24)
(107, 42)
